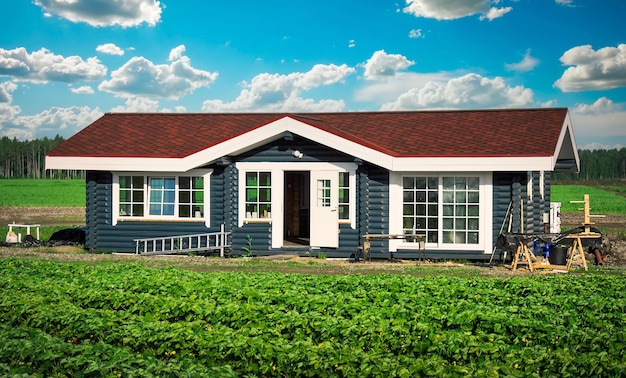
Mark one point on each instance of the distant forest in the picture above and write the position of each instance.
(25, 159)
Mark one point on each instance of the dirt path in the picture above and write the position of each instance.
(46, 216)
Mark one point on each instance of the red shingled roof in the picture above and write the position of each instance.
(459, 133)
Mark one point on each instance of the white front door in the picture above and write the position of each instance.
(324, 209)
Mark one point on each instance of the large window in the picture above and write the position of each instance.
(163, 196)
(258, 195)
(444, 209)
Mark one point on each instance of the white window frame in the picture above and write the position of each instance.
(485, 212)
(278, 180)
(204, 173)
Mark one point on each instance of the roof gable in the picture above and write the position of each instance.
(378, 137)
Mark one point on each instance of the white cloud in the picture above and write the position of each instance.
(416, 33)
(176, 53)
(43, 66)
(351, 43)
(110, 48)
(85, 89)
(528, 63)
(495, 13)
(468, 91)
(141, 77)
(137, 104)
(593, 70)
(125, 13)
(275, 92)
(5, 92)
(388, 89)
(66, 121)
(603, 121)
(569, 3)
(454, 9)
(382, 64)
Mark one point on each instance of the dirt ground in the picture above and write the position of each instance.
(613, 228)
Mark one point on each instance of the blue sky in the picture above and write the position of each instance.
(65, 63)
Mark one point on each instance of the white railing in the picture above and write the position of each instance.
(183, 244)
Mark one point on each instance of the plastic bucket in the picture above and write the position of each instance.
(558, 255)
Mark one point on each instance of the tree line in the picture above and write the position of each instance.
(26, 159)
(598, 165)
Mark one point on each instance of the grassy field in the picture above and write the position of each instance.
(603, 200)
(28, 192)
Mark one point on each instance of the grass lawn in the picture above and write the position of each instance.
(602, 201)
(29, 192)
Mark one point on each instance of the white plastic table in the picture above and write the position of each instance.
(19, 226)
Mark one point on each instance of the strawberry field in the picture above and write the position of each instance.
(126, 319)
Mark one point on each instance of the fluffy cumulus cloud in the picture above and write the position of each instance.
(604, 121)
(454, 9)
(528, 63)
(382, 65)
(275, 92)
(85, 89)
(593, 70)
(125, 13)
(141, 77)
(43, 66)
(6, 89)
(64, 121)
(110, 48)
(138, 104)
(468, 91)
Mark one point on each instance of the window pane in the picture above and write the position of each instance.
(138, 210)
(432, 237)
(407, 223)
(169, 196)
(448, 182)
(433, 223)
(432, 210)
(198, 197)
(137, 195)
(184, 197)
(472, 210)
(472, 224)
(124, 195)
(461, 197)
(448, 237)
(420, 209)
(420, 182)
(251, 195)
(448, 197)
(448, 223)
(264, 195)
(460, 224)
(265, 178)
(138, 182)
(344, 179)
(125, 182)
(408, 196)
(156, 196)
(344, 212)
(459, 237)
(472, 237)
(448, 210)
(251, 179)
(472, 197)
(184, 211)
(184, 182)
(460, 211)
(168, 209)
(408, 210)
(198, 182)
(156, 183)
(473, 183)
(408, 182)
(460, 183)
(432, 196)
(433, 183)
(420, 196)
